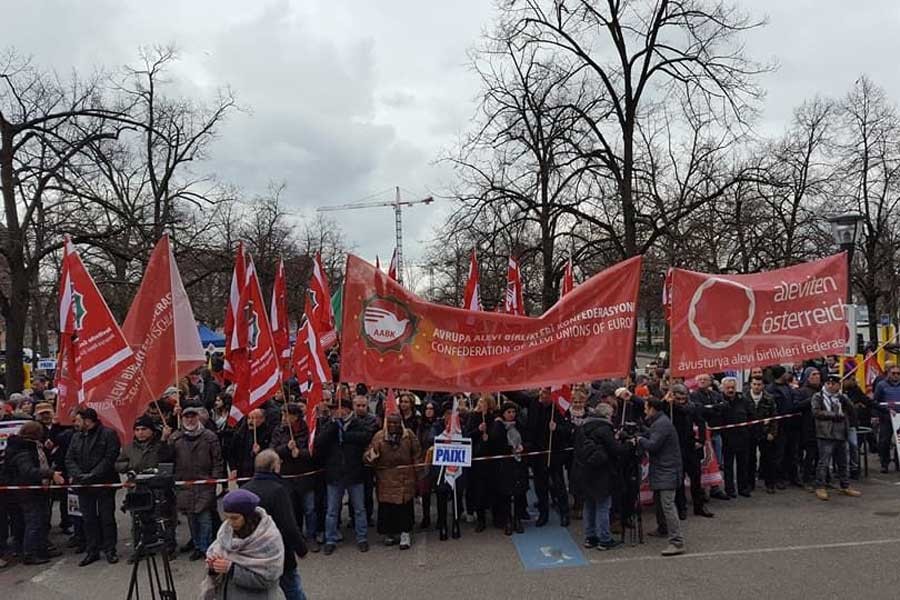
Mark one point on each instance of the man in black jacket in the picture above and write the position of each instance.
(788, 430)
(340, 443)
(736, 439)
(543, 425)
(92, 459)
(291, 442)
(691, 429)
(273, 497)
(710, 403)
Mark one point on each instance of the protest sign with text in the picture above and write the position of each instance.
(729, 322)
(392, 338)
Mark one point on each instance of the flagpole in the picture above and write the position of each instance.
(550, 441)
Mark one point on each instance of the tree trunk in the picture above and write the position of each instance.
(628, 212)
(15, 332)
(872, 305)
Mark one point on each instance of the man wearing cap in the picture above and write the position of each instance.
(197, 456)
(91, 459)
(830, 409)
(629, 407)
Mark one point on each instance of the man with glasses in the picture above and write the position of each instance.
(887, 396)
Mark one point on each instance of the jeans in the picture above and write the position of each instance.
(667, 516)
(98, 509)
(36, 513)
(201, 529)
(836, 449)
(717, 446)
(596, 518)
(853, 449)
(291, 586)
(309, 514)
(335, 493)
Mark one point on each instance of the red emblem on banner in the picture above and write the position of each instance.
(387, 324)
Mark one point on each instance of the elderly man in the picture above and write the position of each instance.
(691, 429)
(736, 439)
(197, 456)
(252, 437)
(273, 497)
(711, 405)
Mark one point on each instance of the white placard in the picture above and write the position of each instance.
(453, 454)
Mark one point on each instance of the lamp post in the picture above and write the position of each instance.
(845, 231)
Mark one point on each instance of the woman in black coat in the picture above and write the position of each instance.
(511, 480)
(28, 464)
(479, 491)
(426, 434)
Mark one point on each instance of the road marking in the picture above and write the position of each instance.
(750, 551)
(49, 572)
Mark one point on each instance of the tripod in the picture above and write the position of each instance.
(632, 521)
(160, 589)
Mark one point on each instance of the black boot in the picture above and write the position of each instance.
(542, 519)
(518, 526)
(480, 522)
(426, 512)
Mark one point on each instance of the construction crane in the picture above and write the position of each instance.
(397, 204)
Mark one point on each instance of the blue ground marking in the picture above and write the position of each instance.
(548, 547)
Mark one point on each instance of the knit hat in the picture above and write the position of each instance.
(778, 371)
(621, 391)
(509, 405)
(242, 502)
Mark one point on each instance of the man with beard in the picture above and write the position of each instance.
(252, 437)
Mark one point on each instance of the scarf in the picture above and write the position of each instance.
(578, 418)
(262, 553)
(192, 433)
(832, 403)
(513, 437)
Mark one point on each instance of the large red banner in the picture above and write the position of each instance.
(392, 338)
(727, 322)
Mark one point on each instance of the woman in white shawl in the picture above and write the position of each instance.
(247, 558)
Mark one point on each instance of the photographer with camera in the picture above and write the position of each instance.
(144, 454)
(660, 441)
(91, 459)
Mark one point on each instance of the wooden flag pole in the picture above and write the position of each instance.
(550, 441)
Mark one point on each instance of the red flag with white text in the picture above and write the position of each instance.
(238, 279)
(320, 298)
(561, 397)
(162, 332)
(309, 360)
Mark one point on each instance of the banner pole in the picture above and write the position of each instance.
(550, 441)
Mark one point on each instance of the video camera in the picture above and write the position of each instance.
(151, 501)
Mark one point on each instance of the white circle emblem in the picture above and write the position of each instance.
(692, 314)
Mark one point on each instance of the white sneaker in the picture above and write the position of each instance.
(404, 541)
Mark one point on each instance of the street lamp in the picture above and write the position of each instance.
(845, 231)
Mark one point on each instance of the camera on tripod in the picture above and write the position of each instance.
(151, 501)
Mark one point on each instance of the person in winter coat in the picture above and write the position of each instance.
(393, 448)
(144, 453)
(27, 464)
(789, 430)
(808, 446)
(91, 458)
(479, 492)
(830, 408)
(595, 470)
(660, 441)
(710, 403)
(546, 431)
(272, 491)
(511, 478)
(291, 442)
(691, 428)
(886, 398)
(340, 443)
(425, 435)
(736, 440)
(246, 561)
(252, 437)
(197, 456)
(763, 435)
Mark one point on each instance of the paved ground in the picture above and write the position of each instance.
(788, 546)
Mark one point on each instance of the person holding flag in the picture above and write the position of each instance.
(291, 442)
(547, 431)
(393, 452)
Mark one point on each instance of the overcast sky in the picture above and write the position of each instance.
(352, 97)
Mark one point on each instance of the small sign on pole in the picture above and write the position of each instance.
(456, 453)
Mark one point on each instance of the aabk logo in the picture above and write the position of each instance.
(387, 323)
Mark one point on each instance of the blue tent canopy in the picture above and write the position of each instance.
(208, 336)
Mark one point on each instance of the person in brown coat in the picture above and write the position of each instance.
(197, 456)
(392, 447)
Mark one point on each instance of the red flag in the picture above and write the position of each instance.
(562, 398)
(279, 321)
(313, 399)
(320, 299)
(99, 347)
(377, 263)
(259, 375)
(390, 403)
(472, 300)
(730, 322)
(392, 269)
(873, 370)
(393, 338)
(513, 304)
(309, 361)
(667, 295)
(568, 280)
(238, 278)
(161, 329)
(68, 379)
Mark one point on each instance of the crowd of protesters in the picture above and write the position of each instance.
(579, 462)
